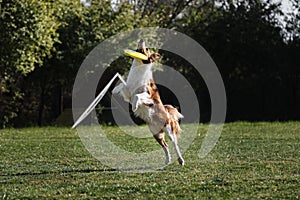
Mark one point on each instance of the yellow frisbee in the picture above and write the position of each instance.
(135, 54)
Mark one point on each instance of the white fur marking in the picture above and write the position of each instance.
(168, 155)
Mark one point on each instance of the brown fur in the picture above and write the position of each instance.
(174, 117)
(160, 138)
(152, 57)
(162, 110)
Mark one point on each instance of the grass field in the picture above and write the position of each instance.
(250, 161)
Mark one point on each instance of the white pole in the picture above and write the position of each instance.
(97, 100)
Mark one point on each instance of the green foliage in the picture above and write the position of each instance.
(56, 35)
(28, 34)
(250, 161)
(30, 29)
(293, 22)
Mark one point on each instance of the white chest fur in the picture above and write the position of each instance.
(139, 75)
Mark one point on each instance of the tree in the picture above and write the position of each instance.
(43, 43)
(293, 21)
(28, 34)
(245, 39)
(81, 29)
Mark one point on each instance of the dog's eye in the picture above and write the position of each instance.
(147, 49)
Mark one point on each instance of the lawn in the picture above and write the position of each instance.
(250, 161)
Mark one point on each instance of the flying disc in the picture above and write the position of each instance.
(135, 54)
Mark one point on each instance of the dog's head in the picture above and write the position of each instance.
(152, 57)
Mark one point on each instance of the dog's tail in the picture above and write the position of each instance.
(174, 117)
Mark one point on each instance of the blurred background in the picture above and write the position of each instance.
(254, 43)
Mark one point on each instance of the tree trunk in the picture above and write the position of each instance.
(41, 106)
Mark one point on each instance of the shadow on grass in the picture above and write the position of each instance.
(56, 172)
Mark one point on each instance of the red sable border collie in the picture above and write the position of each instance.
(141, 92)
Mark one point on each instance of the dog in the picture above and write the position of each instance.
(142, 93)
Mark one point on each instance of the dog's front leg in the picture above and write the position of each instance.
(141, 99)
(122, 90)
(118, 88)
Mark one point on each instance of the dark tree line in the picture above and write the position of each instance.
(254, 44)
(258, 62)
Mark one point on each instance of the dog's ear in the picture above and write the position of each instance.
(154, 57)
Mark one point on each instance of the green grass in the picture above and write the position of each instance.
(250, 161)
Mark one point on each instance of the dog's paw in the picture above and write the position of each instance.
(135, 103)
(118, 89)
(167, 161)
(134, 109)
(181, 161)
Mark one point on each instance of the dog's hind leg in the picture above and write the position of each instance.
(161, 140)
(173, 138)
